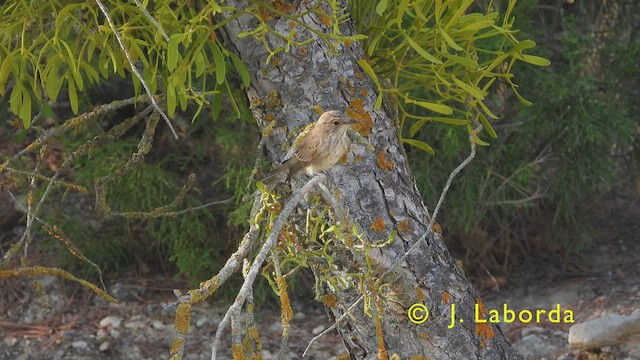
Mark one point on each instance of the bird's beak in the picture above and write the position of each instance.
(351, 121)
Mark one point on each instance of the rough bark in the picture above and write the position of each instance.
(304, 78)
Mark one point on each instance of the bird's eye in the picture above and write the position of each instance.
(336, 123)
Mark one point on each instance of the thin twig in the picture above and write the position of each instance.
(134, 69)
(152, 20)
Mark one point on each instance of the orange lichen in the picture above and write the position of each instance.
(325, 19)
(263, 14)
(446, 297)
(284, 6)
(383, 162)
(357, 158)
(237, 351)
(358, 75)
(378, 225)
(364, 92)
(356, 111)
(330, 300)
(483, 329)
(177, 344)
(347, 42)
(437, 228)
(287, 312)
(183, 318)
(348, 241)
(382, 351)
(419, 294)
(343, 159)
(404, 227)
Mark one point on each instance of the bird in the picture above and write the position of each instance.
(317, 149)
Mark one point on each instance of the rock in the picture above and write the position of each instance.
(110, 322)
(535, 344)
(318, 329)
(532, 330)
(610, 329)
(156, 324)
(80, 344)
(104, 346)
(101, 334)
(10, 341)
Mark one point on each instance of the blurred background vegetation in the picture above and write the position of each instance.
(530, 197)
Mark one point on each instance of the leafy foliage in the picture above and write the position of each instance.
(66, 45)
(441, 58)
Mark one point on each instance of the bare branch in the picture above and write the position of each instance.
(234, 309)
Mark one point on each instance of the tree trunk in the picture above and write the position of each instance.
(378, 191)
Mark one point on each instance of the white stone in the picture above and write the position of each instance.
(110, 321)
(610, 329)
(80, 344)
(318, 329)
(104, 346)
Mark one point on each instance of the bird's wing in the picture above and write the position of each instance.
(307, 149)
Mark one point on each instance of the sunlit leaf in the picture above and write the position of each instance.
(218, 59)
(439, 108)
(420, 145)
(487, 126)
(535, 60)
(424, 53)
(474, 91)
(381, 7)
(172, 51)
(364, 65)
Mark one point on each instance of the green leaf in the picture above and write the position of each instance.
(241, 69)
(535, 60)
(421, 51)
(416, 126)
(439, 108)
(461, 60)
(53, 82)
(523, 45)
(487, 111)
(474, 91)
(420, 145)
(475, 26)
(199, 61)
(182, 100)
(479, 141)
(381, 7)
(9, 63)
(402, 9)
(172, 51)
(218, 59)
(438, 11)
(450, 121)
(73, 94)
(450, 41)
(487, 126)
(20, 103)
(171, 99)
(367, 69)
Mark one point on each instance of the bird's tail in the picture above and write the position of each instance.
(275, 176)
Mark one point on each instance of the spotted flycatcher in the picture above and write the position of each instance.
(316, 149)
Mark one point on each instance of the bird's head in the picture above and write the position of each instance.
(335, 120)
